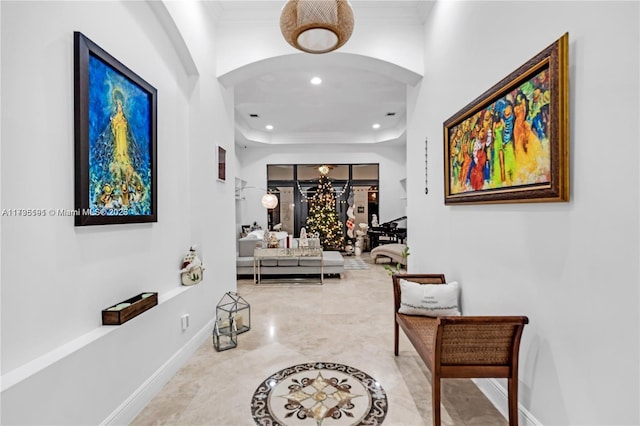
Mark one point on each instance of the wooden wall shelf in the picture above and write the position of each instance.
(122, 312)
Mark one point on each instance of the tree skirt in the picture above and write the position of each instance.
(319, 394)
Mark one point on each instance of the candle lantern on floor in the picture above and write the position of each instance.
(225, 335)
(233, 317)
(232, 305)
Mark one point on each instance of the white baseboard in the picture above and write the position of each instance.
(132, 406)
(499, 398)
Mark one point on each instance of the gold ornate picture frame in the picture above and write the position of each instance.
(511, 144)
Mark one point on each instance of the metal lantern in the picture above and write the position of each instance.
(233, 306)
(233, 317)
(225, 335)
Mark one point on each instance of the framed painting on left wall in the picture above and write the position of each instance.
(115, 140)
(221, 155)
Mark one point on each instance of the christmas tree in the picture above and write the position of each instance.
(323, 216)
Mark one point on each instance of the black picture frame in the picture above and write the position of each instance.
(115, 123)
(221, 155)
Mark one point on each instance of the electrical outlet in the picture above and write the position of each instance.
(185, 321)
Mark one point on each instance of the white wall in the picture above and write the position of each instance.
(571, 267)
(392, 160)
(57, 278)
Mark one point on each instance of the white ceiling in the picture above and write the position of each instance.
(342, 109)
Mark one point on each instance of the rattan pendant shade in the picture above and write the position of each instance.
(316, 26)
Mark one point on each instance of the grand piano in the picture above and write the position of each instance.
(388, 232)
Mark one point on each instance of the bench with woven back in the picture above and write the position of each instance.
(457, 347)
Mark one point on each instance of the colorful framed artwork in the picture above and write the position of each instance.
(511, 144)
(115, 140)
(222, 163)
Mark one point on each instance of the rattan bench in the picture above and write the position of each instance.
(457, 347)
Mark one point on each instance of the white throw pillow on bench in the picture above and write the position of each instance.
(431, 300)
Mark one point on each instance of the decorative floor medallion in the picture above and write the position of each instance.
(319, 394)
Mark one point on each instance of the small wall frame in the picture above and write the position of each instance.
(221, 158)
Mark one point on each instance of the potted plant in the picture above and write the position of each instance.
(392, 270)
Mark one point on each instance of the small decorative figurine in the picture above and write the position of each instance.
(192, 268)
(360, 234)
(359, 244)
(374, 221)
(304, 241)
(348, 249)
(273, 241)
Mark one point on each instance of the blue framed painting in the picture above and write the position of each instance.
(115, 140)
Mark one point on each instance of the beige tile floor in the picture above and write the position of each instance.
(347, 321)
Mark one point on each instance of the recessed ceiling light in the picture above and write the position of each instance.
(376, 126)
(316, 80)
(269, 127)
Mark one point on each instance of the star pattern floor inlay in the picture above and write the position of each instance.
(321, 394)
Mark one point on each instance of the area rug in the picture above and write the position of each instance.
(319, 394)
(355, 263)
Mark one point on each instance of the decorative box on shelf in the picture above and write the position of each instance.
(130, 308)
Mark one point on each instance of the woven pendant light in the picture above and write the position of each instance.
(316, 26)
